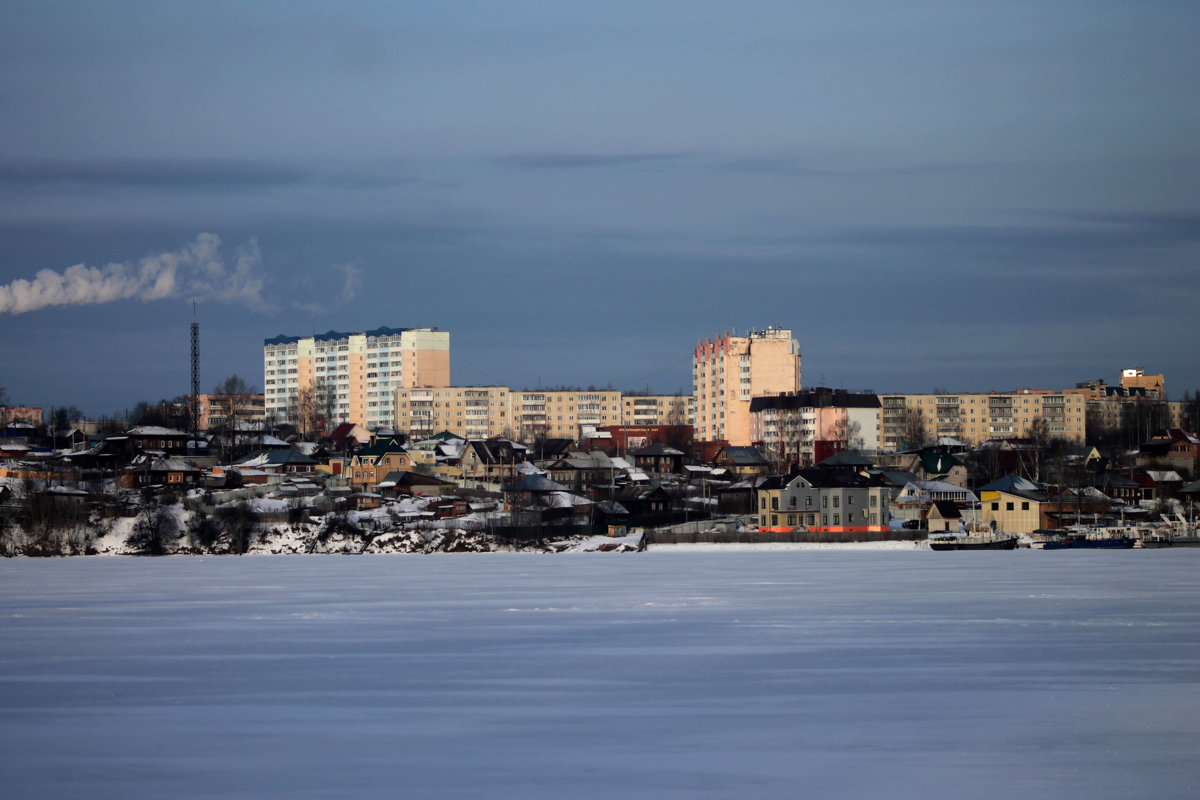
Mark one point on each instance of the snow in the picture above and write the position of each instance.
(668, 674)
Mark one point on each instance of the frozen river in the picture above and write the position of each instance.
(658, 675)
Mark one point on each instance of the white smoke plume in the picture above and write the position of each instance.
(197, 271)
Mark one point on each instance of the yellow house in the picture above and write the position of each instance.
(1012, 512)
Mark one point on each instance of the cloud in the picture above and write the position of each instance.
(196, 174)
(197, 271)
(587, 160)
(352, 283)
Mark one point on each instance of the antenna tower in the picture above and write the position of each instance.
(195, 399)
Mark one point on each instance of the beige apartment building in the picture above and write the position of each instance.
(350, 375)
(217, 410)
(563, 414)
(728, 371)
(472, 412)
(654, 409)
(975, 418)
(482, 412)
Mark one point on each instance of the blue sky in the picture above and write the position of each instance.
(977, 196)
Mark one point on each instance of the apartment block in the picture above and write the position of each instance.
(217, 410)
(563, 414)
(975, 418)
(727, 371)
(805, 428)
(654, 409)
(340, 377)
(472, 412)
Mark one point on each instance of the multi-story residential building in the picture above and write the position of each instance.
(563, 413)
(908, 420)
(730, 370)
(217, 410)
(804, 428)
(472, 412)
(349, 377)
(654, 409)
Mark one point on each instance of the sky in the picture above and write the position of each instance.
(967, 196)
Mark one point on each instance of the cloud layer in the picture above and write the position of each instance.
(196, 271)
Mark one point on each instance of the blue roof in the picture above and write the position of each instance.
(332, 335)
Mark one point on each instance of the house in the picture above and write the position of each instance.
(581, 470)
(826, 500)
(279, 462)
(154, 438)
(148, 470)
(916, 500)
(396, 484)
(742, 461)
(349, 436)
(527, 489)
(943, 515)
(492, 459)
(1172, 448)
(370, 465)
(658, 458)
(644, 501)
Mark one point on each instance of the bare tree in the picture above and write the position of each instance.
(914, 428)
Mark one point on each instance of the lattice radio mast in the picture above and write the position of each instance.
(195, 399)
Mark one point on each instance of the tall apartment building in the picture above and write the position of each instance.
(729, 370)
(350, 377)
(975, 418)
(654, 409)
(472, 412)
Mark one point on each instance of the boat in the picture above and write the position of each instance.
(973, 541)
(1102, 538)
(1050, 539)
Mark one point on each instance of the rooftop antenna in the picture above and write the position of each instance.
(195, 398)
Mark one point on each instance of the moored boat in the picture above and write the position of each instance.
(973, 541)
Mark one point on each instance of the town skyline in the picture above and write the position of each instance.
(989, 198)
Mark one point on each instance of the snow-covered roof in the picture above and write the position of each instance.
(155, 430)
(564, 500)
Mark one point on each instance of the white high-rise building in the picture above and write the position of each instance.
(337, 377)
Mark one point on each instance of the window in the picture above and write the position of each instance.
(995, 506)
(1025, 505)
(1008, 506)
(837, 501)
(774, 503)
(837, 519)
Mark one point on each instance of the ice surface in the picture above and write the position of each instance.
(668, 674)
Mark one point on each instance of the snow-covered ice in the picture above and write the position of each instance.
(667, 674)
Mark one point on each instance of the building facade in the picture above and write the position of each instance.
(803, 428)
(909, 420)
(338, 377)
(217, 410)
(563, 414)
(654, 409)
(730, 370)
(472, 412)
